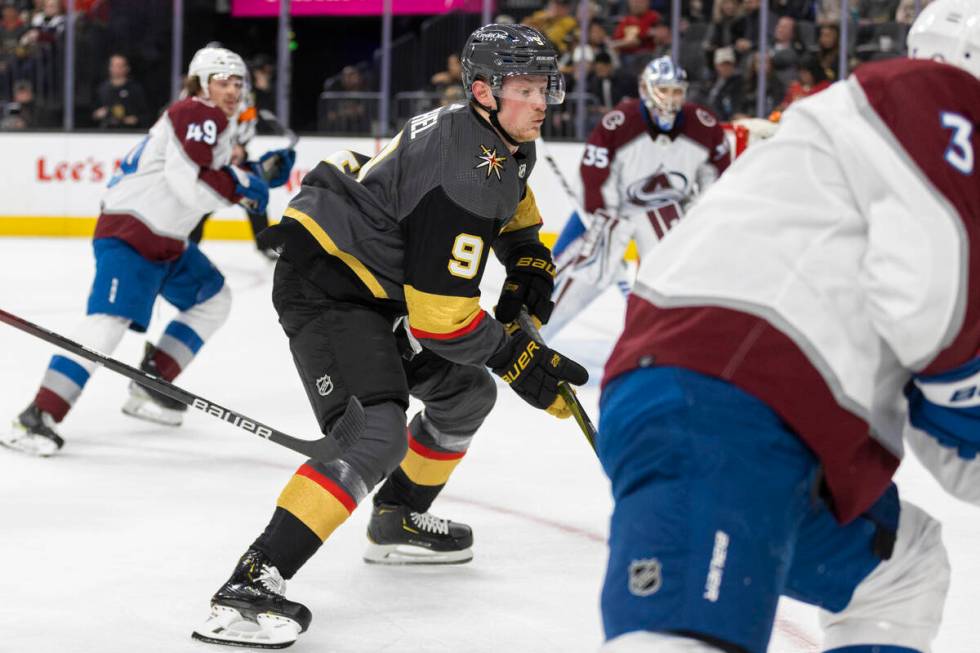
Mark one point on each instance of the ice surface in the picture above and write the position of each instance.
(116, 544)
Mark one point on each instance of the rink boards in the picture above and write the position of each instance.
(52, 183)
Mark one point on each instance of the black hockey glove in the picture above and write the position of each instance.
(534, 371)
(530, 281)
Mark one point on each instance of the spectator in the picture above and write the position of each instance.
(796, 9)
(747, 29)
(721, 33)
(263, 89)
(828, 50)
(10, 118)
(697, 11)
(775, 90)
(452, 95)
(786, 49)
(121, 100)
(12, 30)
(725, 95)
(349, 114)
(599, 42)
(48, 26)
(812, 80)
(607, 85)
(905, 13)
(828, 11)
(556, 21)
(634, 33)
(872, 12)
(451, 76)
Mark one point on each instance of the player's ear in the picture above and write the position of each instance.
(483, 95)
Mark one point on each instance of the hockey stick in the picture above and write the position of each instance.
(564, 390)
(278, 128)
(345, 433)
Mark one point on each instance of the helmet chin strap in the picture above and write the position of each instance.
(495, 121)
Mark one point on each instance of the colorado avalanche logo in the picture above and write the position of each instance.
(706, 118)
(660, 188)
(613, 119)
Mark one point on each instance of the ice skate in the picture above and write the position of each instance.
(250, 609)
(400, 536)
(150, 405)
(33, 433)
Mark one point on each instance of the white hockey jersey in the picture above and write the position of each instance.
(629, 166)
(170, 179)
(830, 264)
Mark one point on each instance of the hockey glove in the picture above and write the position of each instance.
(947, 407)
(251, 189)
(276, 166)
(534, 371)
(530, 282)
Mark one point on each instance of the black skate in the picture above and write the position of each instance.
(400, 536)
(150, 405)
(250, 609)
(33, 433)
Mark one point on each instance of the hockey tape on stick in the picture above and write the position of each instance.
(342, 436)
(564, 390)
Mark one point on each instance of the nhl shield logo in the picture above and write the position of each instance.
(521, 170)
(645, 577)
(324, 385)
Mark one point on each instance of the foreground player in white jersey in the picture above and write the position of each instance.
(177, 172)
(643, 164)
(825, 292)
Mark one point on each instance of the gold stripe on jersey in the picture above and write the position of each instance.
(439, 314)
(388, 149)
(326, 242)
(526, 215)
(310, 503)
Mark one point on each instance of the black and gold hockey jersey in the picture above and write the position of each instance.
(413, 231)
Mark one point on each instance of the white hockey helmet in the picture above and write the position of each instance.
(211, 62)
(659, 83)
(949, 31)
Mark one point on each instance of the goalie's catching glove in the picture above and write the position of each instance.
(530, 282)
(533, 371)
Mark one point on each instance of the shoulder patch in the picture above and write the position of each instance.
(613, 119)
(705, 117)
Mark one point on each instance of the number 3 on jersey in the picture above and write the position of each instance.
(467, 251)
(959, 153)
(206, 131)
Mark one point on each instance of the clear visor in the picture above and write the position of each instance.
(533, 89)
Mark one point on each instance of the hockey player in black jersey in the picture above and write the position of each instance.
(377, 289)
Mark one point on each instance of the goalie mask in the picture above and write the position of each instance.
(495, 52)
(663, 89)
(949, 31)
(217, 63)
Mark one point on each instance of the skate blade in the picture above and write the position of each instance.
(227, 627)
(148, 411)
(407, 554)
(28, 443)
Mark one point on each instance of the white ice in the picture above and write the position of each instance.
(116, 544)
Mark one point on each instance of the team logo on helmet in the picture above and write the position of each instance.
(490, 160)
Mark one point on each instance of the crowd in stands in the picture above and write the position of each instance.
(719, 48)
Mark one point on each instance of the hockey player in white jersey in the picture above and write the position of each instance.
(163, 185)
(822, 296)
(643, 164)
